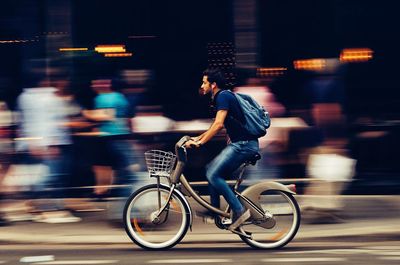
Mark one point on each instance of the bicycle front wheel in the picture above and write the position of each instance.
(284, 226)
(150, 232)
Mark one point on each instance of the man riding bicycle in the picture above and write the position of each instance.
(241, 147)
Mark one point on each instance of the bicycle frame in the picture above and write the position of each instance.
(178, 177)
(248, 197)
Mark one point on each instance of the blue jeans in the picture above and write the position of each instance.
(223, 166)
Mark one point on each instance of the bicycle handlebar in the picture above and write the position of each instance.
(180, 152)
(180, 149)
(181, 142)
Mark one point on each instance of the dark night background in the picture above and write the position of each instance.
(170, 38)
(177, 52)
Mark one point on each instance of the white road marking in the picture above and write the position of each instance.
(30, 259)
(275, 260)
(173, 261)
(73, 262)
(2, 261)
(381, 252)
(331, 251)
(390, 253)
(389, 258)
(383, 247)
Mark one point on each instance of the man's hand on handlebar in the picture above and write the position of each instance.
(196, 139)
(192, 144)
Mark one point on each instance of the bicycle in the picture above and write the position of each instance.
(158, 216)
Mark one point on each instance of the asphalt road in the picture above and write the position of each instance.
(326, 252)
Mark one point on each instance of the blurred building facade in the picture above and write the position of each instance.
(283, 44)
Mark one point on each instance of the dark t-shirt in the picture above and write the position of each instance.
(226, 100)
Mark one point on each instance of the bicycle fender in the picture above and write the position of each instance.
(258, 188)
(180, 194)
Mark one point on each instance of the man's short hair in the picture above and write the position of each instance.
(215, 75)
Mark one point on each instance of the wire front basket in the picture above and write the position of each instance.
(160, 163)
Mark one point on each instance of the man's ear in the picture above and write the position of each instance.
(213, 85)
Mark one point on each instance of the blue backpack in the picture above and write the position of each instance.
(257, 119)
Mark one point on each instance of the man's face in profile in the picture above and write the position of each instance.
(205, 87)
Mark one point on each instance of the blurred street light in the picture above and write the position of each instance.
(356, 55)
(110, 48)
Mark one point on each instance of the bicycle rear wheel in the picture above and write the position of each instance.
(286, 214)
(142, 207)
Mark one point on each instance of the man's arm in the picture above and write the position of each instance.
(217, 125)
(99, 114)
(198, 138)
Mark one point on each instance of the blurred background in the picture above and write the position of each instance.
(325, 70)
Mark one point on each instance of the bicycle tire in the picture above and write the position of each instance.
(137, 236)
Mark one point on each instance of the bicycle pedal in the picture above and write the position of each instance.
(268, 215)
(227, 221)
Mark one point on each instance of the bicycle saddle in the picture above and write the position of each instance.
(253, 160)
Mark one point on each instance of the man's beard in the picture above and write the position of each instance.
(202, 92)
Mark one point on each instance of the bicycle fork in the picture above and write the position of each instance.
(161, 215)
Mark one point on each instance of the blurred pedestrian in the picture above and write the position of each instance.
(267, 167)
(329, 164)
(5, 149)
(44, 139)
(111, 112)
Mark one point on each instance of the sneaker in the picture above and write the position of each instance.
(57, 217)
(239, 219)
(20, 217)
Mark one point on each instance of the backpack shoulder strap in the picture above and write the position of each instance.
(238, 100)
(214, 100)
